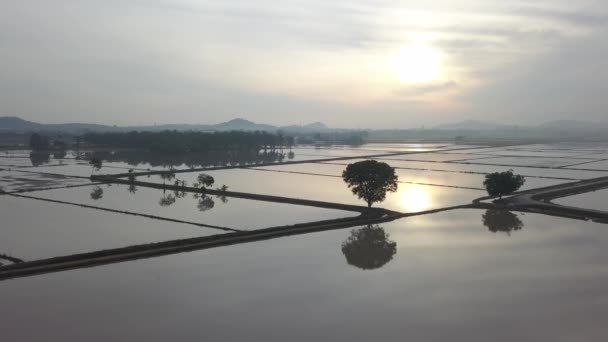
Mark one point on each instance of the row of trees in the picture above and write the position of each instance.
(370, 180)
(39, 142)
(195, 142)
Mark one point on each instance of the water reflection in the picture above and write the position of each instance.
(223, 197)
(369, 248)
(208, 159)
(40, 158)
(167, 200)
(4, 258)
(132, 188)
(501, 220)
(97, 193)
(61, 154)
(205, 203)
(415, 198)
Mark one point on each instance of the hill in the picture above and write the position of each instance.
(15, 124)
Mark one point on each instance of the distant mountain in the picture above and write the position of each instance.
(15, 124)
(565, 128)
(313, 127)
(11, 123)
(473, 125)
(573, 125)
(242, 125)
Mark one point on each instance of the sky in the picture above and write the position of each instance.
(350, 64)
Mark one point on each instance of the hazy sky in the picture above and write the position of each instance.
(353, 63)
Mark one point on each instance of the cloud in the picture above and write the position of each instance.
(580, 18)
(565, 83)
(136, 61)
(413, 90)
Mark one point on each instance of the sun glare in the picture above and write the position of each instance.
(415, 198)
(418, 63)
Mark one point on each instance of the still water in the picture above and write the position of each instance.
(212, 210)
(440, 277)
(597, 200)
(408, 198)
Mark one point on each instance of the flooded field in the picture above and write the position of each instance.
(447, 270)
(597, 200)
(34, 229)
(281, 253)
(212, 210)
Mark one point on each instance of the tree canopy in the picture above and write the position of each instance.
(204, 180)
(189, 142)
(39, 142)
(503, 183)
(368, 248)
(370, 180)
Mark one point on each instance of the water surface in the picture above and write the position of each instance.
(449, 277)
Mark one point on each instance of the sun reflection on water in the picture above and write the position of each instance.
(414, 198)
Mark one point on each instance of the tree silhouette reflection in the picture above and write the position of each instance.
(167, 200)
(369, 248)
(97, 193)
(501, 220)
(190, 160)
(205, 203)
(39, 158)
(59, 154)
(132, 188)
(222, 197)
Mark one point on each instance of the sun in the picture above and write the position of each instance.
(418, 63)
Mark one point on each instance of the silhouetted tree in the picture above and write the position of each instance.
(97, 193)
(59, 154)
(222, 197)
(503, 183)
(39, 142)
(77, 140)
(370, 180)
(96, 164)
(167, 175)
(131, 176)
(187, 142)
(180, 193)
(60, 145)
(501, 220)
(290, 155)
(368, 248)
(204, 181)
